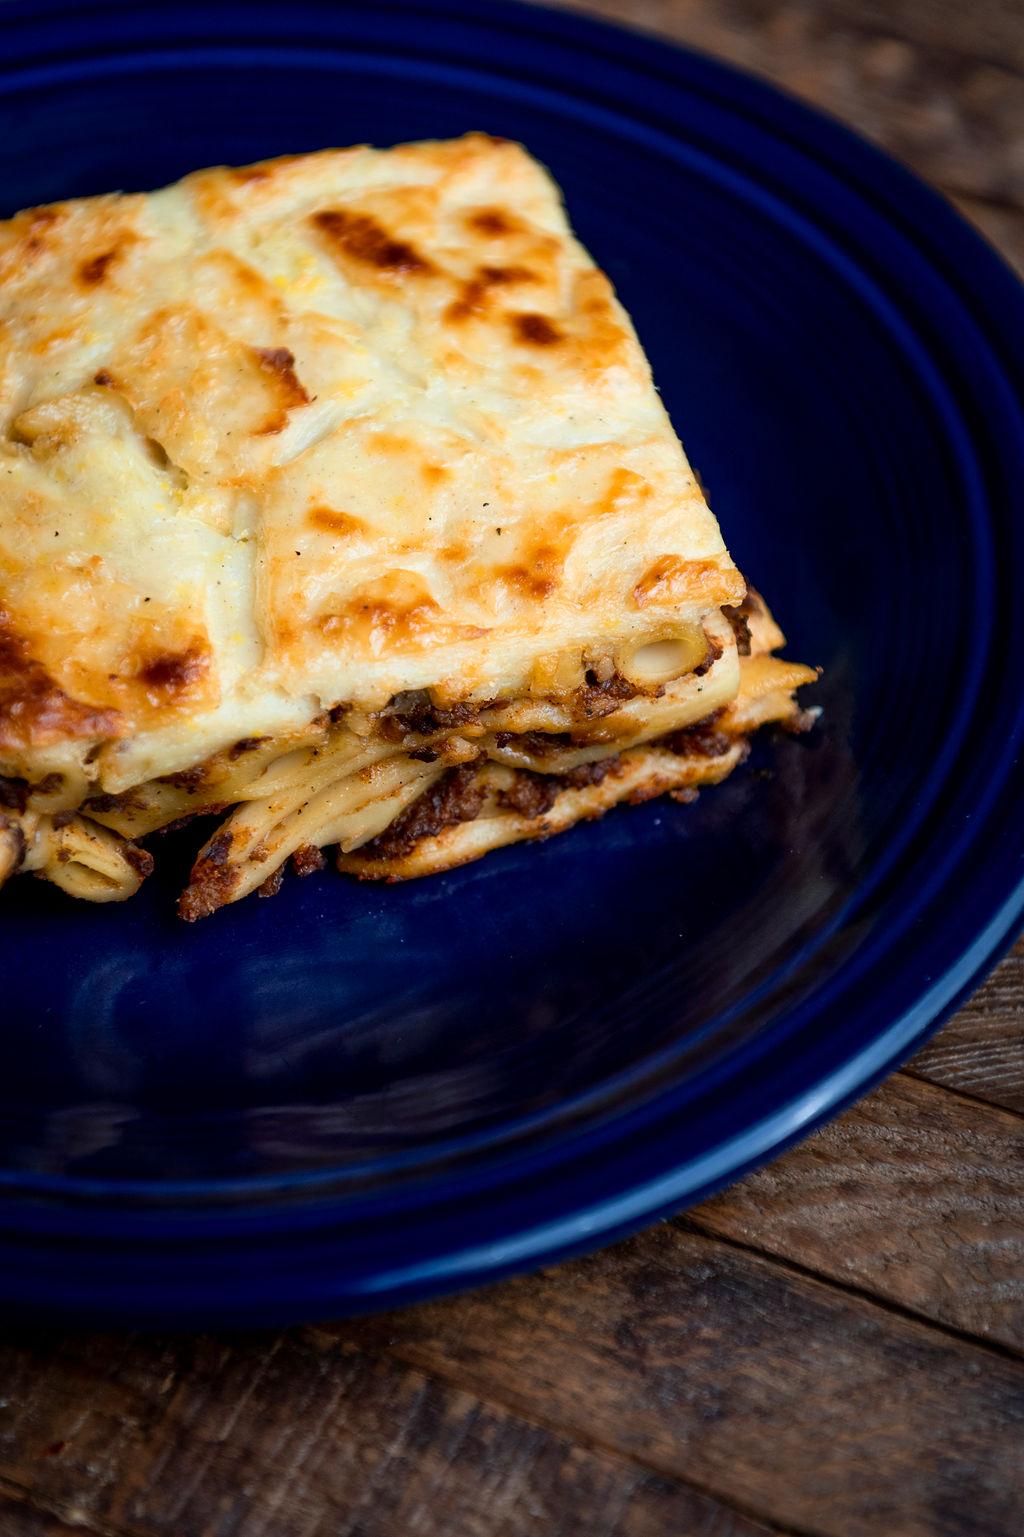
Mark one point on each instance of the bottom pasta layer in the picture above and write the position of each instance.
(417, 788)
(472, 810)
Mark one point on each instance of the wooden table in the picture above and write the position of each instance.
(832, 1347)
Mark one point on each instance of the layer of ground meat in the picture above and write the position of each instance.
(595, 699)
(307, 859)
(455, 797)
(740, 627)
(537, 743)
(700, 740)
(458, 796)
(413, 712)
(529, 794)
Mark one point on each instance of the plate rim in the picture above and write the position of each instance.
(913, 1025)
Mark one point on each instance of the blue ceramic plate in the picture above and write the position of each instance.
(354, 1096)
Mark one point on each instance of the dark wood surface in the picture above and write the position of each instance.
(833, 1347)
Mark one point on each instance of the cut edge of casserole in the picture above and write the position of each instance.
(336, 497)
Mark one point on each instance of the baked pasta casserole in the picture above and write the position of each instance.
(336, 499)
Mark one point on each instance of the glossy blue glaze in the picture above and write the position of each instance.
(352, 1095)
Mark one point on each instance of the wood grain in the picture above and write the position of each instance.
(301, 1435)
(988, 29)
(828, 1413)
(954, 116)
(914, 1195)
(17, 1519)
(981, 1051)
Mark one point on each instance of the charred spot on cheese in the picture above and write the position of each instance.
(471, 301)
(34, 709)
(474, 296)
(104, 378)
(395, 612)
(534, 330)
(672, 579)
(397, 609)
(36, 223)
(597, 304)
(529, 582)
(359, 236)
(492, 222)
(240, 275)
(537, 574)
(44, 217)
(330, 521)
(502, 277)
(279, 365)
(624, 490)
(279, 362)
(601, 340)
(173, 673)
(93, 270)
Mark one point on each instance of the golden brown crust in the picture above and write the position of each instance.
(34, 710)
(348, 458)
(318, 430)
(359, 238)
